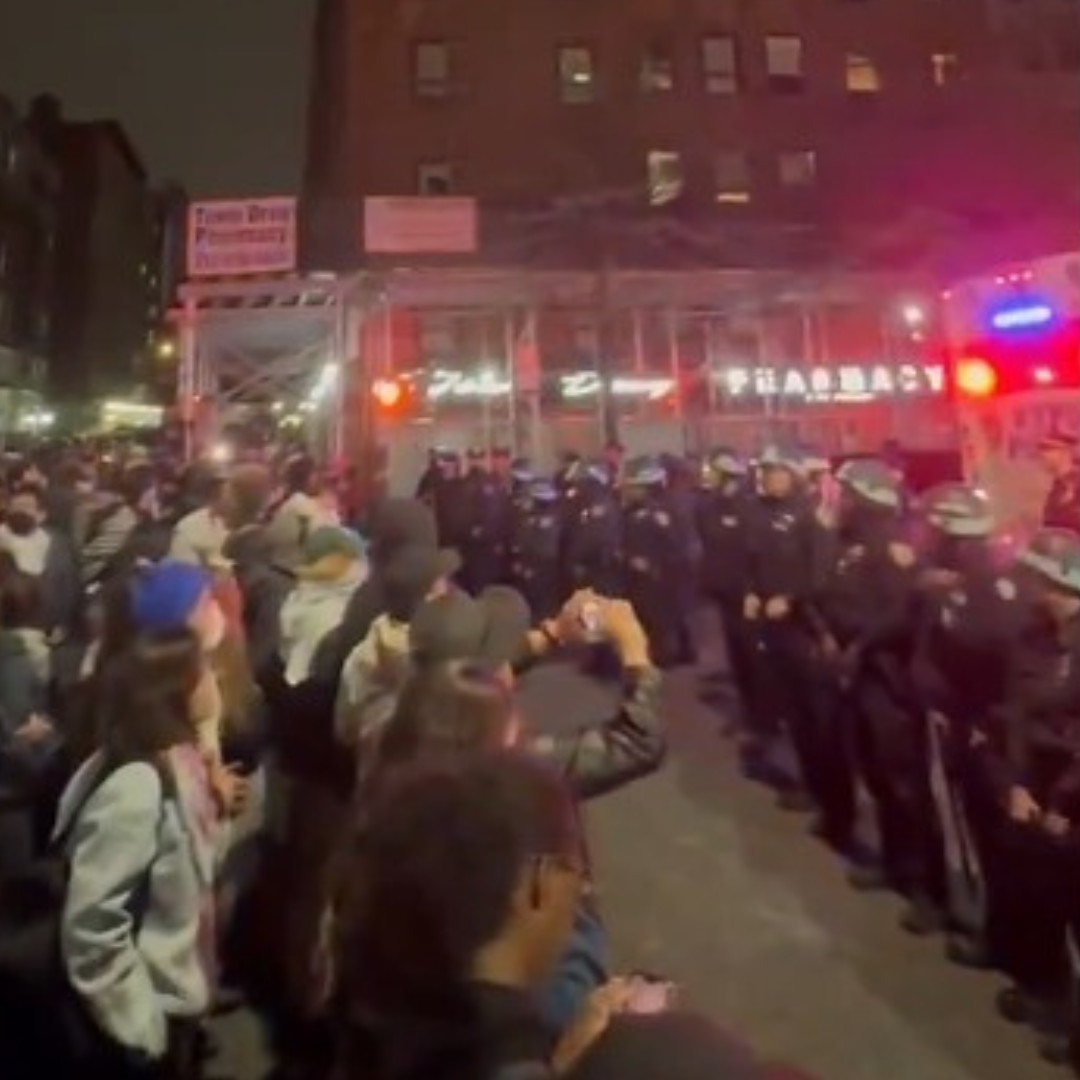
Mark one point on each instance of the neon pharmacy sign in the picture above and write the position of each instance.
(848, 382)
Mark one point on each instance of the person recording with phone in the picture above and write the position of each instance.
(468, 876)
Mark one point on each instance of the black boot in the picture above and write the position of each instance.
(968, 951)
(795, 801)
(867, 877)
(922, 916)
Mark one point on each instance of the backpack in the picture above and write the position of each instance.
(46, 1028)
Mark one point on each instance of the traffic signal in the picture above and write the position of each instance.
(394, 397)
(1018, 359)
(975, 377)
(388, 393)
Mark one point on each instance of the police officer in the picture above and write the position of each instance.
(592, 535)
(483, 543)
(1035, 765)
(870, 605)
(970, 613)
(818, 470)
(654, 559)
(680, 500)
(447, 497)
(535, 546)
(1057, 451)
(781, 544)
(721, 522)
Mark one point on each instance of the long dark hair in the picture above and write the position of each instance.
(436, 868)
(445, 711)
(143, 694)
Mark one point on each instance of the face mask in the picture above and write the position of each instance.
(21, 523)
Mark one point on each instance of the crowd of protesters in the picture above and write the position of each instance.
(249, 754)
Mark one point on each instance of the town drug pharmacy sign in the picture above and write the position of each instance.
(846, 382)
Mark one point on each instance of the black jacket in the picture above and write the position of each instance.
(628, 746)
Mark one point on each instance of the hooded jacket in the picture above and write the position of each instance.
(373, 675)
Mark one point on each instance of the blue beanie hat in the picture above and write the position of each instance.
(164, 596)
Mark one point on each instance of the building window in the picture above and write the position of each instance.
(797, 168)
(431, 69)
(657, 71)
(784, 63)
(720, 64)
(577, 82)
(434, 178)
(862, 76)
(731, 177)
(665, 176)
(943, 67)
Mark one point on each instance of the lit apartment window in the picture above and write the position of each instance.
(665, 176)
(720, 64)
(577, 82)
(862, 75)
(784, 62)
(657, 71)
(431, 69)
(435, 178)
(731, 177)
(943, 67)
(797, 168)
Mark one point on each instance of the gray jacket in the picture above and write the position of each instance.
(140, 876)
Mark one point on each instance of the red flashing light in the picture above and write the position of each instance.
(975, 377)
(388, 393)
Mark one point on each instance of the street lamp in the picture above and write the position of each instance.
(913, 316)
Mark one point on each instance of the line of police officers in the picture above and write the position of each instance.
(897, 647)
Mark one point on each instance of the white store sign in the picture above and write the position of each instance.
(233, 237)
(848, 382)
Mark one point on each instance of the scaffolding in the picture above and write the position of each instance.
(260, 341)
(263, 341)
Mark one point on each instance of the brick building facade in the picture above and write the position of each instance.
(844, 116)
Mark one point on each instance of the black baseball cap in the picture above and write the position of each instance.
(410, 574)
(489, 628)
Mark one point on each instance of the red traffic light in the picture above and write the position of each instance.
(389, 393)
(975, 377)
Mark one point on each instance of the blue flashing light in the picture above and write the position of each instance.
(1025, 315)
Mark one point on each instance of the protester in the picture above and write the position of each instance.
(139, 823)
(468, 878)
(333, 568)
(30, 744)
(112, 516)
(377, 669)
(43, 554)
(199, 537)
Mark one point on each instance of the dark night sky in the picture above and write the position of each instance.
(212, 92)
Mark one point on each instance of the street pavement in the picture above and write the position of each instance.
(703, 879)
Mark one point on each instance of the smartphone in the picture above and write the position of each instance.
(649, 995)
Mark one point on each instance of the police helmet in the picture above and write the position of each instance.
(814, 461)
(543, 491)
(775, 456)
(1054, 554)
(727, 461)
(645, 472)
(958, 510)
(522, 471)
(873, 480)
